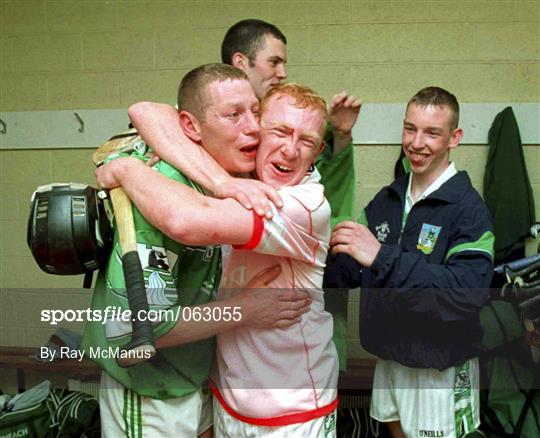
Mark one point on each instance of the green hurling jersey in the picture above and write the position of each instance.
(176, 276)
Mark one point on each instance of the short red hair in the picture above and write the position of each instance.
(304, 97)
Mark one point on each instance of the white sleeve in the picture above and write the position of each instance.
(299, 228)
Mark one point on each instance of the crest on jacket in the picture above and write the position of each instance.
(428, 238)
(382, 231)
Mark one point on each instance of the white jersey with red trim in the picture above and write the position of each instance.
(275, 377)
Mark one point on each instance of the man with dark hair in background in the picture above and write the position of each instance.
(258, 49)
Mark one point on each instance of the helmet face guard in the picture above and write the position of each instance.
(69, 231)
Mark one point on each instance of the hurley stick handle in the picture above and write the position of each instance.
(124, 219)
(142, 345)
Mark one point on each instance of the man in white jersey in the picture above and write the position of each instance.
(267, 381)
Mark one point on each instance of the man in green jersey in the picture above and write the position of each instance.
(163, 396)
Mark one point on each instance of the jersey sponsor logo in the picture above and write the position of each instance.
(431, 433)
(428, 237)
(158, 266)
(383, 230)
(160, 283)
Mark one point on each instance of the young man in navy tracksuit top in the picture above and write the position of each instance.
(425, 246)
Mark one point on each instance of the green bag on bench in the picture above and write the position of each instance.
(45, 412)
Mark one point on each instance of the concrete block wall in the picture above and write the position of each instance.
(97, 54)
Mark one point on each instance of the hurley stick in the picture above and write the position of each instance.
(142, 345)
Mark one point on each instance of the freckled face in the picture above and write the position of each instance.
(291, 139)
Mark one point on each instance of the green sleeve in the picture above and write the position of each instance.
(338, 178)
(362, 219)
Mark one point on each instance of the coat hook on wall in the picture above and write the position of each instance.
(3, 127)
(81, 121)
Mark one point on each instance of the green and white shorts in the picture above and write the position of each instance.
(428, 402)
(124, 413)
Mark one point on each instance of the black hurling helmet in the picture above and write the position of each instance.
(69, 229)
